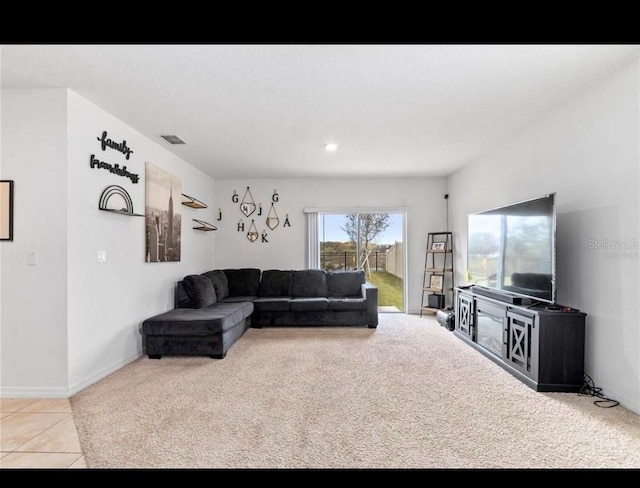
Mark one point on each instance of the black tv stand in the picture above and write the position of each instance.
(501, 295)
(542, 347)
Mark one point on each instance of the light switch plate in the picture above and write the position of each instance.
(32, 258)
(101, 256)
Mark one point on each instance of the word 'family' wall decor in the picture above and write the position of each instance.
(122, 147)
(248, 207)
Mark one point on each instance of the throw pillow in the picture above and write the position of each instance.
(220, 283)
(181, 298)
(200, 291)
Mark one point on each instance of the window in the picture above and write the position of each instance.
(369, 240)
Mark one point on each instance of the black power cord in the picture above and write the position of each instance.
(446, 197)
(589, 388)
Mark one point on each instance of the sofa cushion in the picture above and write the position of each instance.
(347, 304)
(272, 304)
(220, 282)
(181, 298)
(276, 283)
(310, 283)
(200, 291)
(309, 304)
(345, 283)
(202, 321)
(243, 282)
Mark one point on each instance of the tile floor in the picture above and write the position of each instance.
(38, 433)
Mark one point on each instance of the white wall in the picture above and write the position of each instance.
(34, 299)
(286, 248)
(1, 245)
(108, 301)
(587, 151)
(70, 321)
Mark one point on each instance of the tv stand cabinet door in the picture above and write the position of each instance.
(522, 343)
(464, 315)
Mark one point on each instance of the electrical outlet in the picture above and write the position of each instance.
(101, 256)
(32, 258)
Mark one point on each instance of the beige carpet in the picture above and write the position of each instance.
(408, 394)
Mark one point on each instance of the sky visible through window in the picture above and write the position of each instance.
(330, 230)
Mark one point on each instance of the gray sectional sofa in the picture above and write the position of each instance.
(214, 309)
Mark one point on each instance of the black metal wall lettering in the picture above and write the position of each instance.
(113, 168)
(118, 146)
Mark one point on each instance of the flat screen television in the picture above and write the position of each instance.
(512, 249)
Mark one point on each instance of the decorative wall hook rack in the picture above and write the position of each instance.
(193, 202)
(116, 190)
(204, 225)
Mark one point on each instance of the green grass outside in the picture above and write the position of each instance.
(389, 289)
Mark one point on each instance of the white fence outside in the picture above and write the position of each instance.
(395, 260)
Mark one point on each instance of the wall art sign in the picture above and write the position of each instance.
(118, 146)
(6, 210)
(163, 217)
(122, 147)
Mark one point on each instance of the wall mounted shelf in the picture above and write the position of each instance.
(193, 202)
(122, 212)
(206, 226)
(117, 191)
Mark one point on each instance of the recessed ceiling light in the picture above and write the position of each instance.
(331, 147)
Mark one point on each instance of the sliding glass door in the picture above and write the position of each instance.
(373, 242)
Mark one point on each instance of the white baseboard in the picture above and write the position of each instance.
(60, 391)
(98, 375)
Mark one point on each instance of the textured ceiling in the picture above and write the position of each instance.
(267, 111)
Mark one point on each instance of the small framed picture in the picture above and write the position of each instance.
(437, 246)
(6, 210)
(436, 282)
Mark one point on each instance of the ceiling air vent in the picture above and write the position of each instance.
(173, 139)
